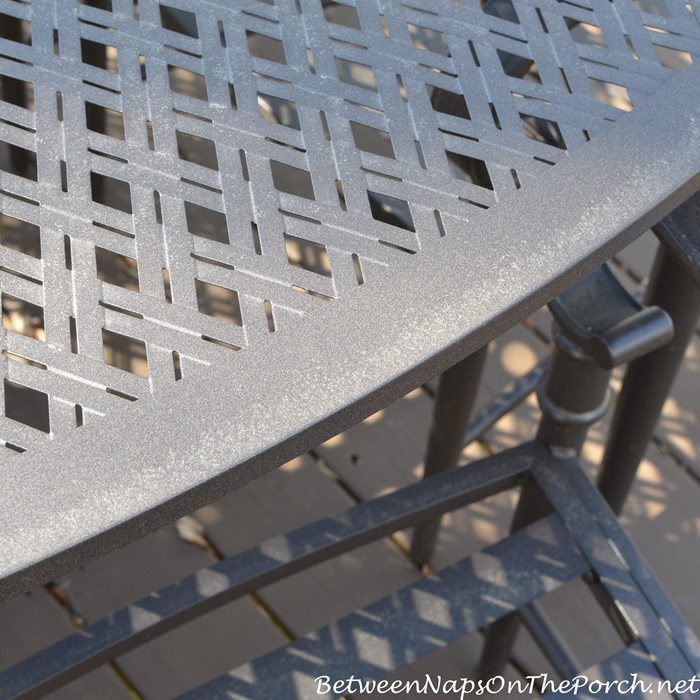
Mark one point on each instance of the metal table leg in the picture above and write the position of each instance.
(598, 325)
(454, 405)
(649, 379)
(574, 395)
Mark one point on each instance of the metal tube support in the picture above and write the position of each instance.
(454, 405)
(574, 395)
(598, 326)
(649, 379)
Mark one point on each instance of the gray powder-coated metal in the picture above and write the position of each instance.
(589, 541)
(336, 315)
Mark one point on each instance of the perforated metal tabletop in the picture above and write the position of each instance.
(231, 228)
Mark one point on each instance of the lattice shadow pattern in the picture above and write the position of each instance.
(179, 179)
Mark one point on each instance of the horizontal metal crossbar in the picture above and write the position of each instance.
(586, 513)
(582, 536)
(415, 621)
(382, 638)
(513, 394)
(620, 569)
(261, 566)
(185, 600)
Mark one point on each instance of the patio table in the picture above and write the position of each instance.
(209, 152)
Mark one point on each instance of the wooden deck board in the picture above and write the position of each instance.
(296, 494)
(31, 622)
(385, 451)
(662, 516)
(201, 650)
(189, 655)
(454, 662)
(679, 425)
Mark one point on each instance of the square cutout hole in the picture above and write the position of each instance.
(111, 192)
(391, 210)
(219, 302)
(267, 47)
(17, 161)
(674, 59)
(357, 74)
(372, 140)
(186, 82)
(104, 120)
(27, 406)
(125, 353)
(469, 169)
(20, 316)
(99, 4)
(287, 178)
(180, 21)
(587, 34)
(196, 149)
(337, 13)
(17, 92)
(20, 235)
(117, 269)
(428, 40)
(654, 7)
(543, 130)
(611, 94)
(307, 255)
(99, 55)
(15, 29)
(447, 102)
(279, 111)
(206, 223)
(503, 9)
(519, 67)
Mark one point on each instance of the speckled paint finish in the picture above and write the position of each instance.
(234, 415)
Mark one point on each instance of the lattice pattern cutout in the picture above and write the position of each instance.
(178, 179)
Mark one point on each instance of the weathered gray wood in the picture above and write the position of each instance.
(497, 373)
(679, 425)
(295, 494)
(581, 622)
(521, 354)
(200, 650)
(385, 451)
(454, 662)
(31, 622)
(131, 572)
(189, 655)
(662, 515)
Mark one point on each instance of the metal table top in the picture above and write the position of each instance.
(280, 215)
